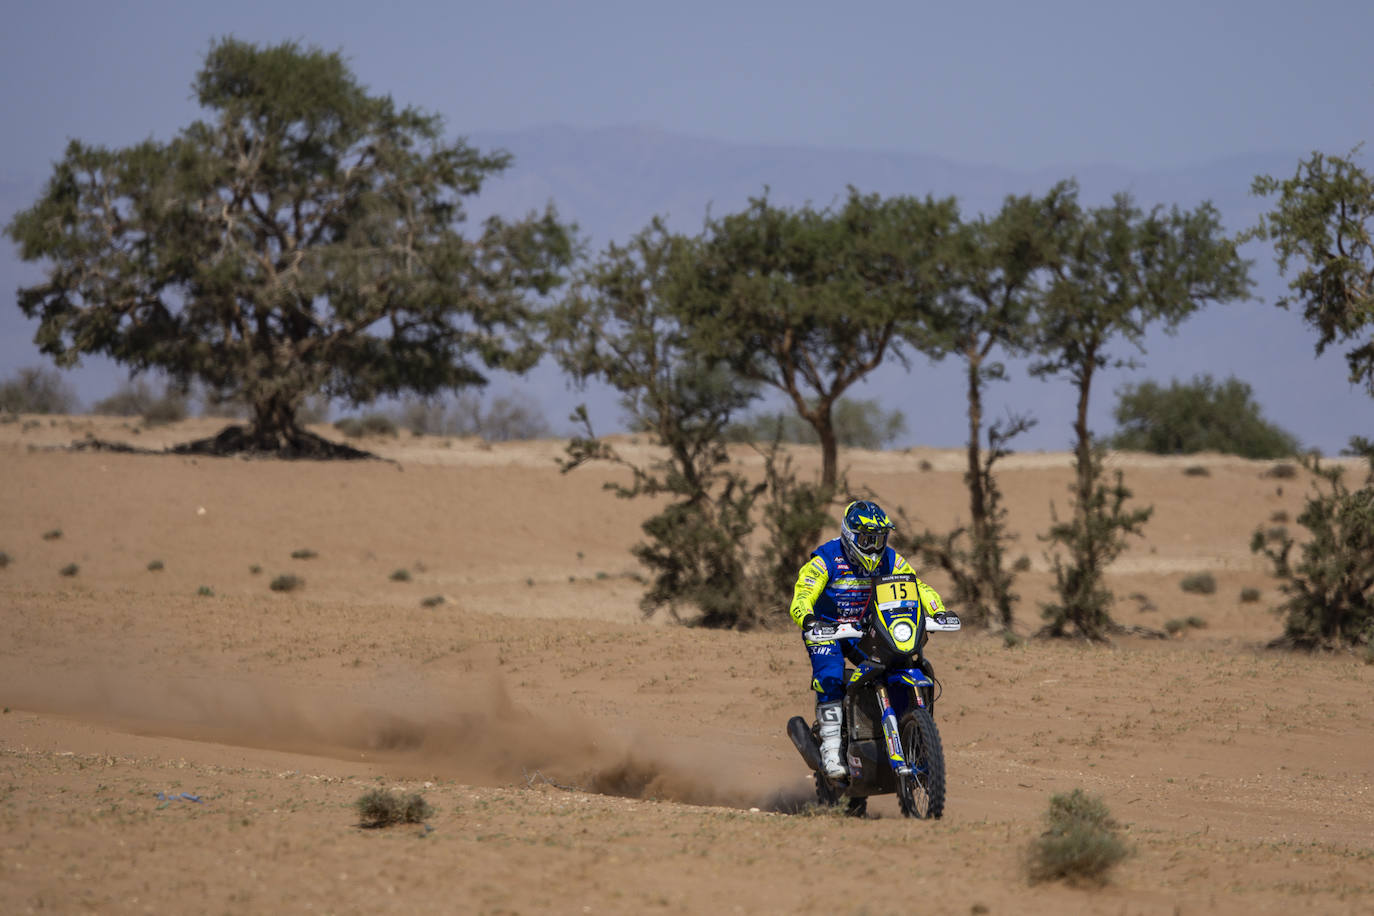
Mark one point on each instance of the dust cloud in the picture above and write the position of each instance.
(480, 736)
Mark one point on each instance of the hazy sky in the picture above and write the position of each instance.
(1005, 82)
(1047, 85)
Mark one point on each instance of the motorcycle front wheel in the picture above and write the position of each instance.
(922, 794)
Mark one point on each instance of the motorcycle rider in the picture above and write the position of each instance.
(834, 587)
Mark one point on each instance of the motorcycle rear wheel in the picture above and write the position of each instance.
(922, 795)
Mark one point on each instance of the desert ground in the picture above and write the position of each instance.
(184, 739)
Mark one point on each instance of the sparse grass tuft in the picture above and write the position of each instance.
(287, 583)
(380, 808)
(1278, 517)
(1082, 842)
(1199, 584)
(70, 569)
(1282, 471)
(1175, 626)
(52, 535)
(205, 591)
(400, 575)
(255, 569)
(154, 566)
(433, 601)
(1196, 470)
(1195, 622)
(1022, 564)
(1010, 640)
(1249, 595)
(305, 553)
(5, 560)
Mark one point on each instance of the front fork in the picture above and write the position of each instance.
(892, 733)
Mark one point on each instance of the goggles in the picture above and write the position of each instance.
(870, 540)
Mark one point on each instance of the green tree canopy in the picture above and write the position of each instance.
(810, 301)
(1320, 225)
(305, 238)
(1200, 416)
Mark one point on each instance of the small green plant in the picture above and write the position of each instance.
(1199, 584)
(305, 553)
(1011, 640)
(155, 566)
(1196, 470)
(400, 575)
(205, 591)
(433, 601)
(255, 569)
(380, 808)
(1082, 842)
(70, 569)
(1249, 595)
(287, 583)
(52, 535)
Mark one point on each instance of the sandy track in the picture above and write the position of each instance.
(1246, 778)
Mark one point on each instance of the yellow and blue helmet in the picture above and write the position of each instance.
(863, 535)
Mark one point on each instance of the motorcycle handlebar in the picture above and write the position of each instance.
(824, 632)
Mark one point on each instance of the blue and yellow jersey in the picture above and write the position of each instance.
(830, 588)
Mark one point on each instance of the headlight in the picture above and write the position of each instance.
(902, 632)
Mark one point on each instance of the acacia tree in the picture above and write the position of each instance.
(1322, 221)
(810, 301)
(1321, 224)
(1114, 271)
(990, 280)
(617, 325)
(305, 238)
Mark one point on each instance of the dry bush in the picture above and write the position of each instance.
(37, 390)
(1080, 846)
(287, 583)
(380, 808)
(1203, 583)
(70, 570)
(1249, 595)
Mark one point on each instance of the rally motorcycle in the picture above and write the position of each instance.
(889, 741)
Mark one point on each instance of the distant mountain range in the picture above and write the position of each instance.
(612, 181)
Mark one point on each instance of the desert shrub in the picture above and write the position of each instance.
(205, 591)
(1278, 517)
(432, 601)
(255, 569)
(1084, 546)
(4, 559)
(858, 424)
(1282, 471)
(70, 569)
(52, 535)
(155, 566)
(1081, 844)
(1195, 622)
(372, 424)
(305, 553)
(507, 418)
(286, 583)
(37, 390)
(400, 575)
(1249, 595)
(380, 808)
(1203, 583)
(1329, 586)
(1196, 470)
(1200, 416)
(137, 399)
(1174, 627)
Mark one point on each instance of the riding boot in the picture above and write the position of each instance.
(828, 717)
